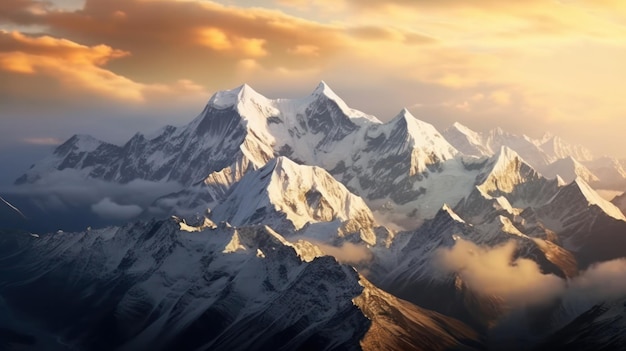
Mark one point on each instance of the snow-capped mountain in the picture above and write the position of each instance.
(470, 142)
(389, 164)
(557, 148)
(330, 179)
(620, 202)
(586, 224)
(508, 174)
(610, 171)
(538, 152)
(568, 168)
(550, 155)
(288, 197)
(150, 285)
(573, 215)
(467, 141)
(404, 170)
(412, 271)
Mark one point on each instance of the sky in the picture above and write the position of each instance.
(111, 68)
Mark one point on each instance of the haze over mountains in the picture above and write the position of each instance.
(452, 239)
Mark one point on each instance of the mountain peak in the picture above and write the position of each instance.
(83, 142)
(406, 115)
(558, 148)
(466, 140)
(497, 131)
(324, 93)
(283, 164)
(422, 135)
(506, 154)
(593, 198)
(445, 208)
(289, 196)
(507, 169)
(569, 168)
(463, 128)
(323, 89)
(229, 98)
(504, 158)
(547, 136)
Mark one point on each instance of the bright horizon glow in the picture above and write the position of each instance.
(110, 67)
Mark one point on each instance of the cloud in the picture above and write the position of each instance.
(381, 33)
(494, 271)
(156, 37)
(348, 253)
(602, 281)
(219, 40)
(305, 50)
(43, 141)
(108, 209)
(20, 10)
(68, 188)
(506, 20)
(74, 66)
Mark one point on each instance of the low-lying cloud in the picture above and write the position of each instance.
(493, 271)
(602, 281)
(520, 282)
(347, 253)
(67, 190)
(108, 209)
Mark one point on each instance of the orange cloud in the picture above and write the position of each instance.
(219, 40)
(215, 39)
(20, 10)
(77, 67)
(173, 40)
(495, 272)
(305, 50)
(384, 33)
(43, 141)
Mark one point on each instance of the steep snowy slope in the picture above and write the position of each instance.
(152, 286)
(507, 174)
(288, 196)
(569, 169)
(585, 223)
(466, 140)
(78, 152)
(406, 170)
(620, 202)
(550, 155)
(486, 144)
(610, 171)
(580, 193)
(523, 145)
(557, 148)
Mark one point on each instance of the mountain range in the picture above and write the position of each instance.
(268, 189)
